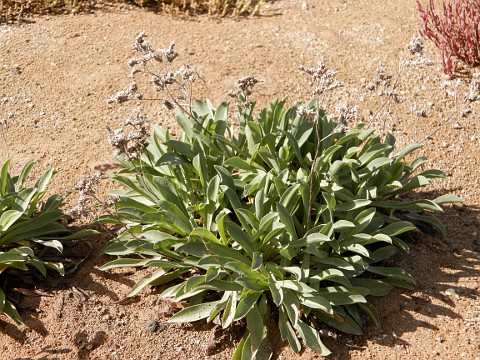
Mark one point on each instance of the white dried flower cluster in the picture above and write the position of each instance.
(415, 46)
(138, 64)
(126, 94)
(452, 87)
(420, 112)
(244, 86)
(177, 84)
(309, 113)
(323, 78)
(110, 202)
(348, 115)
(132, 143)
(474, 92)
(144, 47)
(185, 73)
(86, 188)
(419, 63)
(382, 77)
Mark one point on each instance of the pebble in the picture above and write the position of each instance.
(450, 292)
(153, 326)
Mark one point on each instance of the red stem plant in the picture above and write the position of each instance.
(456, 33)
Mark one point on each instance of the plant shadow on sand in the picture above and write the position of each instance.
(436, 263)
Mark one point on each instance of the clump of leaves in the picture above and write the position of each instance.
(287, 218)
(28, 224)
(455, 32)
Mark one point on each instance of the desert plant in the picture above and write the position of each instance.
(11, 10)
(14, 10)
(455, 32)
(28, 224)
(288, 217)
(210, 7)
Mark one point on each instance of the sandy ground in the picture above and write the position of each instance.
(57, 73)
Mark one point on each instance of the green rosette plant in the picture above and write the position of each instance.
(28, 223)
(286, 218)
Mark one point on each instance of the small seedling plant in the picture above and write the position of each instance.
(28, 224)
(287, 218)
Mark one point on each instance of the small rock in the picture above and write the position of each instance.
(305, 6)
(370, 86)
(450, 292)
(154, 326)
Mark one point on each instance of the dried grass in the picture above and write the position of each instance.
(14, 10)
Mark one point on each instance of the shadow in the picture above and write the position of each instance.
(86, 346)
(437, 264)
(13, 331)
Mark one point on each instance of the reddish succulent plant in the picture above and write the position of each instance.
(456, 32)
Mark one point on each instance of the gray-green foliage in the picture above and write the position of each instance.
(221, 216)
(28, 223)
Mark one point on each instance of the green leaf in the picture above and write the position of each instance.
(345, 324)
(287, 220)
(255, 327)
(396, 228)
(252, 284)
(312, 338)
(447, 199)
(181, 148)
(430, 220)
(287, 332)
(238, 163)
(194, 313)
(275, 289)
(246, 302)
(392, 272)
(374, 287)
(407, 150)
(341, 296)
(8, 218)
(228, 252)
(372, 312)
(317, 302)
(145, 281)
(229, 311)
(42, 183)
(24, 175)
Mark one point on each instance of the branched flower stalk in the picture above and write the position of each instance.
(176, 84)
(324, 81)
(4, 131)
